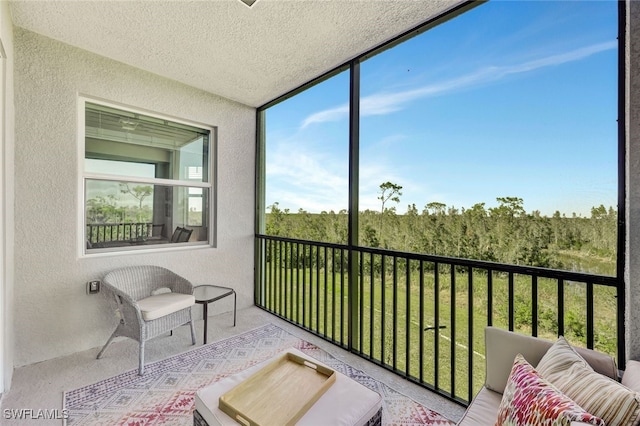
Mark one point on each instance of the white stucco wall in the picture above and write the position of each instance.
(53, 314)
(6, 212)
(632, 270)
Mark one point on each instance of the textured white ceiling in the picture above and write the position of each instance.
(248, 54)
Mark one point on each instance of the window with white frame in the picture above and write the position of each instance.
(146, 180)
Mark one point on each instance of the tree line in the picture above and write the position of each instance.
(110, 208)
(504, 234)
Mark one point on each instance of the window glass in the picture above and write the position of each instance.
(146, 181)
(307, 163)
(117, 135)
(120, 167)
(125, 214)
(494, 136)
(490, 136)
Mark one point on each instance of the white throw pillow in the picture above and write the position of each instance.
(631, 377)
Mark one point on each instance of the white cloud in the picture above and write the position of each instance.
(304, 169)
(302, 179)
(333, 114)
(385, 102)
(305, 179)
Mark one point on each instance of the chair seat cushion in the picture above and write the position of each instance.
(157, 306)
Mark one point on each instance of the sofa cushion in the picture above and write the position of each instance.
(154, 307)
(602, 396)
(503, 345)
(631, 377)
(483, 410)
(531, 400)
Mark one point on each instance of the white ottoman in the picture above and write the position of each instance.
(346, 402)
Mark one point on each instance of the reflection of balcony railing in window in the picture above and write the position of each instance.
(104, 232)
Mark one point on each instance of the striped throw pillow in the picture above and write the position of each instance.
(601, 396)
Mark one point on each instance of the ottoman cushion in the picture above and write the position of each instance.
(346, 402)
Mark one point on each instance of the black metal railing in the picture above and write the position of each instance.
(423, 316)
(106, 232)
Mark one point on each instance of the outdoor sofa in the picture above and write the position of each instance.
(501, 349)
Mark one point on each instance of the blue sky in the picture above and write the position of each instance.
(514, 98)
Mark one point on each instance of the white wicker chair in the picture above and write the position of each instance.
(143, 313)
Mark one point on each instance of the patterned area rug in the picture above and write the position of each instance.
(165, 394)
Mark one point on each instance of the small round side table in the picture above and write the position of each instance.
(208, 293)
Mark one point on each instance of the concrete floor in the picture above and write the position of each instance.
(41, 385)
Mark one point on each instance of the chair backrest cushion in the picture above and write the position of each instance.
(185, 235)
(176, 234)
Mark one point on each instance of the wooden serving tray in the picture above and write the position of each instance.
(279, 394)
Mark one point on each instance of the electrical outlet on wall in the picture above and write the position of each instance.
(93, 286)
